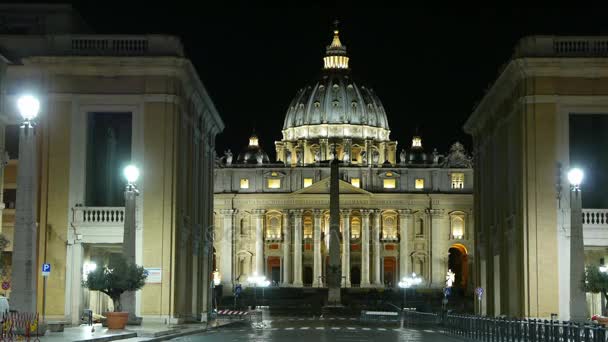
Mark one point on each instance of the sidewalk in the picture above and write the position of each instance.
(152, 331)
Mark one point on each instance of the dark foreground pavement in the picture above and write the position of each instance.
(317, 330)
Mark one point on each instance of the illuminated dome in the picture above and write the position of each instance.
(253, 153)
(335, 106)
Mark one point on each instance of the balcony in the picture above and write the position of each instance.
(98, 224)
(595, 227)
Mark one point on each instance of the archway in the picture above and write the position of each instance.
(307, 275)
(274, 269)
(458, 263)
(355, 276)
(390, 270)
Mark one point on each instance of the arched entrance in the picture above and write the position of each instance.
(355, 276)
(390, 270)
(307, 275)
(274, 269)
(458, 263)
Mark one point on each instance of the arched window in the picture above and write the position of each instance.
(308, 227)
(389, 226)
(420, 227)
(273, 227)
(243, 226)
(457, 226)
(355, 229)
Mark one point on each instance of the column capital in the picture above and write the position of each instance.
(296, 212)
(405, 212)
(435, 212)
(227, 212)
(258, 212)
(317, 212)
(345, 212)
(365, 212)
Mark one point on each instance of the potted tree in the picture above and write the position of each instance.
(115, 278)
(596, 281)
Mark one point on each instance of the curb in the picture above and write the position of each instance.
(110, 338)
(187, 333)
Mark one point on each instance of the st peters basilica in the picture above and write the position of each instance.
(399, 214)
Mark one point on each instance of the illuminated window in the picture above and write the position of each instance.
(307, 182)
(273, 229)
(307, 229)
(355, 228)
(457, 223)
(389, 174)
(355, 182)
(389, 183)
(457, 180)
(419, 183)
(244, 183)
(274, 183)
(416, 142)
(389, 227)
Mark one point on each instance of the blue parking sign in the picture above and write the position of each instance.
(46, 269)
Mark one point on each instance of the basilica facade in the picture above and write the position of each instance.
(399, 214)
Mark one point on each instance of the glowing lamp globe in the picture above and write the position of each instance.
(131, 173)
(28, 107)
(575, 177)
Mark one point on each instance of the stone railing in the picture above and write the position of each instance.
(595, 218)
(551, 46)
(95, 45)
(98, 216)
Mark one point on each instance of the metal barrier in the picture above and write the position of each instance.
(380, 316)
(19, 326)
(254, 316)
(497, 329)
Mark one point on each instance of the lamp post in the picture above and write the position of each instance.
(578, 304)
(257, 281)
(23, 296)
(406, 283)
(131, 174)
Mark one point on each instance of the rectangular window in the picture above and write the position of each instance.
(307, 182)
(389, 183)
(11, 140)
(457, 180)
(419, 183)
(274, 183)
(244, 183)
(108, 152)
(10, 197)
(356, 182)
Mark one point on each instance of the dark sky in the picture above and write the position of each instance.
(428, 66)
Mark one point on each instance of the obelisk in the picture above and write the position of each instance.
(334, 273)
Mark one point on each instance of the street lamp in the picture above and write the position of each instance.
(405, 283)
(131, 173)
(578, 306)
(260, 281)
(23, 296)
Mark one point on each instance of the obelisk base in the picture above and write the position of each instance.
(333, 297)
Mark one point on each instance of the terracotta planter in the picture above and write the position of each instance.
(117, 320)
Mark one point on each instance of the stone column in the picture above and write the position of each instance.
(25, 263)
(226, 247)
(127, 300)
(578, 304)
(365, 248)
(258, 216)
(376, 248)
(317, 270)
(286, 250)
(346, 248)
(297, 248)
(405, 217)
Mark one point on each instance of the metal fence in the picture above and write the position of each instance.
(496, 329)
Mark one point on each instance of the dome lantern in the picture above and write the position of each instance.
(335, 53)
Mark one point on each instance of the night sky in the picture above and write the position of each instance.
(428, 66)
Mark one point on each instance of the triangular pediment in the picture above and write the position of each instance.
(322, 187)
